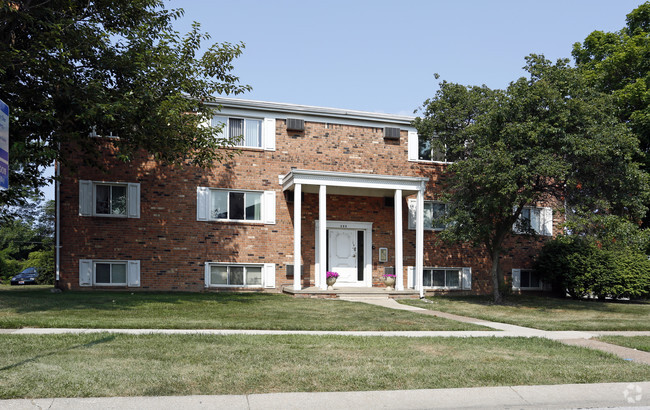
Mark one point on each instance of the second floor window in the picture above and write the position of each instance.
(232, 205)
(248, 130)
(427, 151)
(434, 214)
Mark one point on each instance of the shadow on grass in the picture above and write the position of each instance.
(105, 339)
(39, 300)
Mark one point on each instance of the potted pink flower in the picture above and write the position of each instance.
(330, 278)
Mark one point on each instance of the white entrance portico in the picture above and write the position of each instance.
(351, 242)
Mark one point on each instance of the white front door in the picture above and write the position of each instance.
(343, 255)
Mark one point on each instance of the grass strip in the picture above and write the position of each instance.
(546, 313)
(88, 365)
(633, 342)
(38, 307)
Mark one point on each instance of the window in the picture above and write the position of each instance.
(427, 150)
(434, 213)
(109, 273)
(441, 278)
(235, 205)
(243, 206)
(239, 275)
(447, 278)
(248, 130)
(109, 199)
(526, 279)
(539, 220)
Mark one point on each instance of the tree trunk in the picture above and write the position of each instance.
(496, 280)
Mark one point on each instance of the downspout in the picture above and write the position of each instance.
(57, 228)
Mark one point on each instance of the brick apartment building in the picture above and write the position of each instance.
(313, 189)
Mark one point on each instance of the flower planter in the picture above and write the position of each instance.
(330, 278)
(389, 281)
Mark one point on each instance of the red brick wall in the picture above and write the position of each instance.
(173, 246)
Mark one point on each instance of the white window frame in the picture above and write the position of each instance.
(267, 272)
(226, 128)
(111, 263)
(460, 278)
(111, 185)
(516, 280)
(541, 220)
(88, 198)
(237, 191)
(412, 207)
(204, 206)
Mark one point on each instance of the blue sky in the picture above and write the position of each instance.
(381, 55)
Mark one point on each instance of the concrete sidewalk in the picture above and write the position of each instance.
(601, 395)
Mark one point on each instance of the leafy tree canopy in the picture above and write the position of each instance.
(71, 67)
(619, 63)
(546, 138)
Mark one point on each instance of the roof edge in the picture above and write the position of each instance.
(312, 110)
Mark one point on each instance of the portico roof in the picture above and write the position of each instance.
(345, 183)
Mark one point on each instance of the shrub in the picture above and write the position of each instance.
(579, 267)
(571, 264)
(630, 277)
(8, 268)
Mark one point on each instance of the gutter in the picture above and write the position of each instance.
(57, 228)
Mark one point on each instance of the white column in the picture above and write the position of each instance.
(419, 241)
(297, 235)
(399, 252)
(322, 233)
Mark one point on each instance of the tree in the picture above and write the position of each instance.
(73, 68)
(546, 138)
(619, 64)
(27, 240)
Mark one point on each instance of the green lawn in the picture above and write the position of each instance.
(38, 307)
(634, 342)
(545, 312)
(125, 365)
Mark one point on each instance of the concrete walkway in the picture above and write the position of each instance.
(600, 395)
(574, 338)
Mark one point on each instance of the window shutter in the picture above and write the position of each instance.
(85, 198)
(413, 206)
(410, 277)
(467, 278)
(207, 275)
(516, 278)
(133, 269)
(413, 145)
(85, 272)
(268, 207)
(133, 200)
(546, 285)
(269, 275)
(268, 134)
(202, 204)
(547, 221)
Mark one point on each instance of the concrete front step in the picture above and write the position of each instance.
(354, 293)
